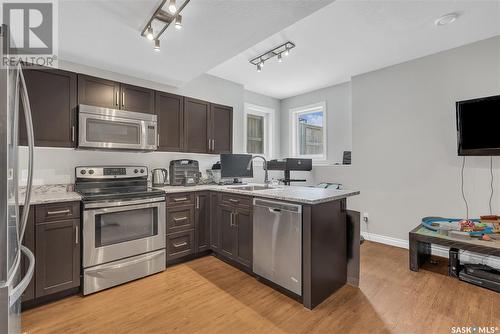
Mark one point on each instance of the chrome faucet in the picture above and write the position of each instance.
(266, 175)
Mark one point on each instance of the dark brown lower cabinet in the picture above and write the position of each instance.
(244, 237)
(214, 222)
(57, 256)
(235, 224)
(202, 221)
(227, 237)
(29, 242)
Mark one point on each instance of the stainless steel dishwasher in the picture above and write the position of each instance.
(277, 243)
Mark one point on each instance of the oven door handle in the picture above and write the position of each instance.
(101, 205)
(126, 208)
(126, 264)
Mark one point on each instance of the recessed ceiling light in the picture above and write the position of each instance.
(280, 59)
(446, 19)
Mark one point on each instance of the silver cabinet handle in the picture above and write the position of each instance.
(73, 133)
(180, 199)
(123, 99)
(197, 202)
(213, 144)
(158, 140)
(209, 148)
(180, 219)
(232, 219)
(232, 200)
(76, 235)
(117, 98)
(59, 212)
(181, 244)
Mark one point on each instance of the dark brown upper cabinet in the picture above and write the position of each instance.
(98, 92)
(53, 101)
(221, 129)
(196, 125)
(111, 94)
(138, 99)
(170, 112)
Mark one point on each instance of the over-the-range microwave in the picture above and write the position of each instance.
(103, 128)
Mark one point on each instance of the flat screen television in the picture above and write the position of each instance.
(478, 126)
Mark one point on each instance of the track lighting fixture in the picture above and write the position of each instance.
(172, 8)
(178, 22)
(161, 20)
(279, 52)
(149, 33)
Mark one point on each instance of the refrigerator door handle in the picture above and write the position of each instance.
(31, 143)
(18, 290)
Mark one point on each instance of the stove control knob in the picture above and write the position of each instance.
(142, 171)
(91, 171)
(83, 172)
(136, 171)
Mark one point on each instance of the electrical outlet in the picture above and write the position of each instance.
(365, 217)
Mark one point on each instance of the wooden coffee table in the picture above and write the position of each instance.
(421, 239)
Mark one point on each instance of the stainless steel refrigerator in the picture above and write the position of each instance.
(12, 221)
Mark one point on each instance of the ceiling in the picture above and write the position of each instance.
(106, 34)
(347, 38)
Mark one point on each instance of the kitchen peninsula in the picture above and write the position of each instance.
(207, 227)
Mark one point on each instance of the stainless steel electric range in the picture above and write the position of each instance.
(123, 225)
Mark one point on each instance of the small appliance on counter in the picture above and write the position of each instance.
(184, 172)
(214, 174)
(290, 164)
(159, 177)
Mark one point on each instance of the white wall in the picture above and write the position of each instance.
(338, 117)
(404, 139)
(56, 165)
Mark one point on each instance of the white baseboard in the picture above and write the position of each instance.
(436, 249)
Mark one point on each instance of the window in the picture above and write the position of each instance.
(309, 131)
(258, 124)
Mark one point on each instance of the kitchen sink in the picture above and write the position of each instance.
(252, 188)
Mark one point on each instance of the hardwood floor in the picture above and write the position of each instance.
(209, 296)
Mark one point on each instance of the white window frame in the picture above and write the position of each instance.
(268, 115)
(294, 142)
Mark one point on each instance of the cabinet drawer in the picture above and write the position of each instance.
(180, 219)
(180, 244)
(57, 211)
(231, 199)
(180, 199)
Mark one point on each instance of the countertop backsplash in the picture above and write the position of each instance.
(55, 166)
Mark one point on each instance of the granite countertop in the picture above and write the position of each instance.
(305, 195)
(49, 194)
